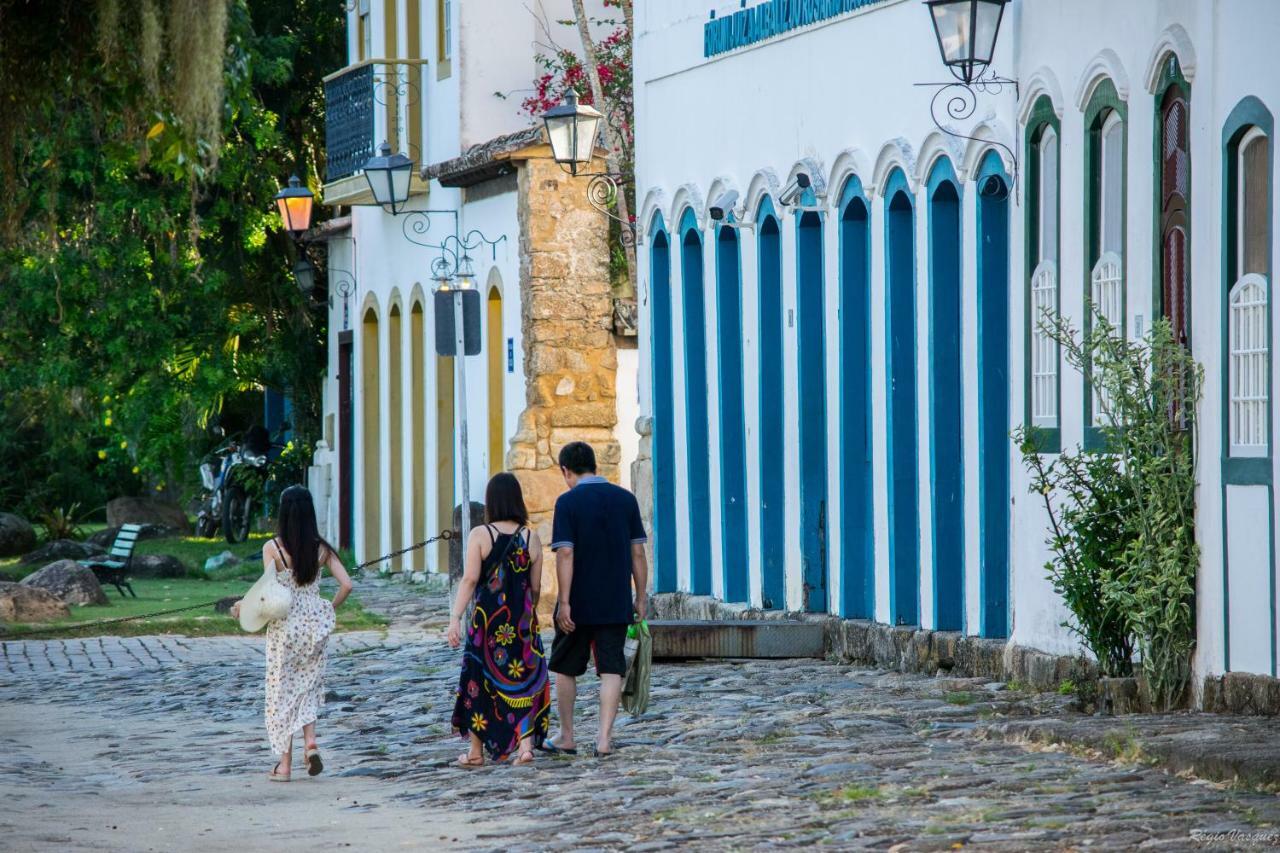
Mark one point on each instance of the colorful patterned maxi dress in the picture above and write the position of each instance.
(503, 693)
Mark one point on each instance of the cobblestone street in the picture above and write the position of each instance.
(745, 754)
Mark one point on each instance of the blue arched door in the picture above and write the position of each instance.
(993, 393)
(813, 410)
(733, 449)
(773, 512)
(900, 365)
(946, 383)
(695, 372)
(664, 432)
(856, 478)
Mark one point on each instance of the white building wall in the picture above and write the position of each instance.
(845, 83)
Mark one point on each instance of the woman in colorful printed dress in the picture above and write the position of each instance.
(296, 644)
(503, 696)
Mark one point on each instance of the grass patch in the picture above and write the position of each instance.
(193, 551)
(857, 793)
(156, 595)
(960, 697)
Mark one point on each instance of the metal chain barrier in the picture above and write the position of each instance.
(50, 633)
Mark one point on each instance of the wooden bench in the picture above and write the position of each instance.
(114, 568)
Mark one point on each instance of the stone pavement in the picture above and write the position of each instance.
(732, 755)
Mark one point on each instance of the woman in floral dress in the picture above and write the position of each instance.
(296, 644)
(503, 696)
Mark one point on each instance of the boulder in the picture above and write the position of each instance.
(226, 558)
(17, 536)
(157, 566)
(20, 603)
(146, 511)
(69, 581)
(103, 538)
(63, 549)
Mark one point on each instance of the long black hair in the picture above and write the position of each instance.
(504, 500)
(297, 529)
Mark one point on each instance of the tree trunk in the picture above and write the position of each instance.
(613, 144)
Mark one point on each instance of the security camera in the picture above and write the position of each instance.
(723, 205)
(791, 194)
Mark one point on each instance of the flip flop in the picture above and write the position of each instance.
(273, 776)
(552, 749)
(466, 762)
(312, 759)
(523, 759)
(596, 752)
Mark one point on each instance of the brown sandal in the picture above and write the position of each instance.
(311, 758)
(273, 776)
(467, 762)
(523, 759)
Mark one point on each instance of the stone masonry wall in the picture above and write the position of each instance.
(570, 360)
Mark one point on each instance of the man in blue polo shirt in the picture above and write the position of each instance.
(598, 538)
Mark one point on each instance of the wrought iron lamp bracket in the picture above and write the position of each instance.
(956, 100)
(453, 248)
(602, 194)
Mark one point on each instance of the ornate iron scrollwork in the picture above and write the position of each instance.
(958, 101)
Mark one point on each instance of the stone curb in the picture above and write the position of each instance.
(901, 648)
(1205, 746)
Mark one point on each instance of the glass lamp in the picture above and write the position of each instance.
(572, 129)
(966, 31)
(388, 176)
(294, 203)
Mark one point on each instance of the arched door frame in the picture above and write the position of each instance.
(772, 432)
(697, 429)
(945, 200)
(732, 439)
(815, 525)
(666, 575)
(901, 434)
(857, 478)
(995, 386)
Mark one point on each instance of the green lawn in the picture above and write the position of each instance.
(156, 595)
(166, 594)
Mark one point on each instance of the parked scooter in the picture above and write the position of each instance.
(234, 475)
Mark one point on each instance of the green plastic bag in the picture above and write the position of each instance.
(635, 689)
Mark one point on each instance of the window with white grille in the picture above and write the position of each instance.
(1248, 332)
(1107, 277)
(1044, 287)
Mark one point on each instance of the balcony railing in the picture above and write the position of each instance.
(366, 103)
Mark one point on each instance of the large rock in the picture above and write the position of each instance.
(17, 536)
(20, 603)
(146, 511)
(104, 537)
(157, 566)
(63, 549)
(226, 558)
(69, 581)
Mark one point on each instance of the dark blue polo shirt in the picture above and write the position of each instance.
(600, 522)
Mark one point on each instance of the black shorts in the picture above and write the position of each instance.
(570, 652)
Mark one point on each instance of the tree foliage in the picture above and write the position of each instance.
(144, 272)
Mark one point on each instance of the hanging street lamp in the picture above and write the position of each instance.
(304, 275)
(388, 176)
(572, 130)
(966, 31)
(294, 203)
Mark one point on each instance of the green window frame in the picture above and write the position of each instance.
(1043, 118)
(1104, 102)
(1248, 115)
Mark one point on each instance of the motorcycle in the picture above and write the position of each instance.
(234, 475)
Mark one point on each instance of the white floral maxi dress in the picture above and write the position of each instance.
(295, 662)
